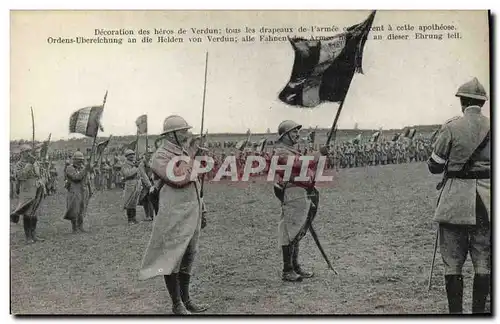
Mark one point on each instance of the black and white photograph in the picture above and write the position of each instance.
(250, 162)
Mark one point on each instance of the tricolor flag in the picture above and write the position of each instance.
(412, 133)
(101, 147)
(311, 137)
(406, 132)
(86, 121)
(323, 70)
(357, 139)
(142, 124)
(375, 136)
(240, 145)
(396, 137)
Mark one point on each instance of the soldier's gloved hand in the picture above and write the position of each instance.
(152, 189)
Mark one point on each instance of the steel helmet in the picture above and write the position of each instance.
(129, 152)
(286, 126)
(174, 123)
(78, 156)
(472, 89)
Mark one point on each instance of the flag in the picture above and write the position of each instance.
(375, 137)
(396, 137)
(262, 145)
(130, 146)
(101, 147)
(142, 124)
(412, 133)
(44, 149)
(406, 132)
(357, 139)
(323, 70)
(86, 121)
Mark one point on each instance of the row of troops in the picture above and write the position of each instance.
(461, 152)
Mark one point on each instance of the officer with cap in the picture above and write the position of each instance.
(176, 228)
(299, 199)
(462, 153)
(133, 185)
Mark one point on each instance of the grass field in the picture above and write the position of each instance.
(375, 223)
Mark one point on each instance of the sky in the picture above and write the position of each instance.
(404, 82)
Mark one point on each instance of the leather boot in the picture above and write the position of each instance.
(184, 279)
(480, 290)
(296, 266)
(131, 216)
(454, 292)
(79, 223)
(34, 236)
(74, 227)
(148, 211)
(288, 273)
(27, 230)
(172, 283)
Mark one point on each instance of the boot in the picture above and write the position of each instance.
(27, 230)
(296, 265)
(288, 273)
(480, 290)
(80, 225)
(454, 292)
(34, 236)
(184, 279)
(173, 288)
(148, 212)
(74, 227)
(131, 216)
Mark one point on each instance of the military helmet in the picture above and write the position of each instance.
(174, 123)
(78, 156)
(472, 89)
(129, 152)
(287, 126)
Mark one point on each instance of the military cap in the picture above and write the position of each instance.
(129, 152)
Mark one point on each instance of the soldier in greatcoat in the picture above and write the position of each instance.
(462, 153)
(132, 185)
(176, 228)
(79, 191)
(299, 199)
(31, 193)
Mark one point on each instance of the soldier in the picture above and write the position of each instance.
(149, 196)
(52, 178)
(462, 152)
(31, 193)
(79, 191)
(107, 172)
(176, 229)
(299, 200)
(133, 185)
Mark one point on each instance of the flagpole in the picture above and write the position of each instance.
(97, 131)
(33, 132)
(203, 117)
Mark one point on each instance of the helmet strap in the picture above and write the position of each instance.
(177, 139)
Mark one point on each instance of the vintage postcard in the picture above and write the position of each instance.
(272, 162)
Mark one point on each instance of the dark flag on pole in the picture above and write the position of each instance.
(86, 121)
(322, 70)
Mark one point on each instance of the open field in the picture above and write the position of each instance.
(375, 224)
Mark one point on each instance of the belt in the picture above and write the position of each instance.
(480, 174)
